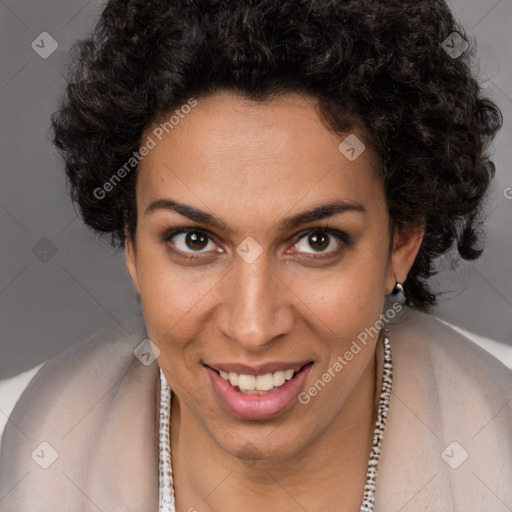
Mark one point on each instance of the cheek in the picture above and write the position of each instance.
(342, 314)
(346, 299)
(171, 296)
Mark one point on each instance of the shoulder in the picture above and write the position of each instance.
(113, 348)
(449, 353)
(51, 391)
(10, 391)
(424, 332)
(501, 351)
(454, 382)
(67, 423)
(451, 408)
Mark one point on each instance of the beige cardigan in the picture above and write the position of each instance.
(447, 446)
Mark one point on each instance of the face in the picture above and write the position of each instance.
(258, 242)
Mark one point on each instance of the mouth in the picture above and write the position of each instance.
(263, 383)
(259, 396)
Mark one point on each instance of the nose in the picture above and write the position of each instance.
(256, 306)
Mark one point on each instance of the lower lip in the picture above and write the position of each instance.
(258, 407)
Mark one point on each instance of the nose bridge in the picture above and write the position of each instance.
(254, 309)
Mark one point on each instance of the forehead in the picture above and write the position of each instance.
(234, 153)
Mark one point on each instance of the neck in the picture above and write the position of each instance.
(328, 475)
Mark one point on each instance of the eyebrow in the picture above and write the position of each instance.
(316, 213)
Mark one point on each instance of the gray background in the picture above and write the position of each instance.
(59, 283)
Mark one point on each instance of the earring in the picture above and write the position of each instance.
(398, 288)
(398, 293)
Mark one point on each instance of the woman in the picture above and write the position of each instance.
(282, 176)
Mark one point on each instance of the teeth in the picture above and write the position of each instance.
(257, 383)
(288, 374)
(233, 378)
(247, 382)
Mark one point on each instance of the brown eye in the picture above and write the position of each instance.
(318, 241)
(322, 241)
(196, 240)
(190, 241)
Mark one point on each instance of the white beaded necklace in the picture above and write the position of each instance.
(166, 501)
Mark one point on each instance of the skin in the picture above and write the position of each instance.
(252, 165)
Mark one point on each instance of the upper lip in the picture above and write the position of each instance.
(259, 369)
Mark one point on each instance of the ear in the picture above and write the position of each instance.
(406, 244)
(131, 262)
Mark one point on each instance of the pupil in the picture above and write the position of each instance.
(320, 240)
(196, 240)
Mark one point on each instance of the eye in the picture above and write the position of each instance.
(185, 242)
(190, 240)
(321, 241)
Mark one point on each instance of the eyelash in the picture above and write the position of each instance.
(339, 235)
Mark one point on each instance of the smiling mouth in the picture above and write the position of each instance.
(258, 397)
(263, 384)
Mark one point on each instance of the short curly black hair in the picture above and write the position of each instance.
(386, 63)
